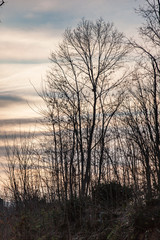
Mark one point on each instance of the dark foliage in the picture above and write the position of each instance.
(112, 194)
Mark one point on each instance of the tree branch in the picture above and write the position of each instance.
(2, 2)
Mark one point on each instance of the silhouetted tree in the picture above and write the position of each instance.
(142, 102)
(23, 179)
(86, 69)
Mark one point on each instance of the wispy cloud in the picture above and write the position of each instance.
(18, 81)
(10, 122)
(31, 46)
(34, 28)
(16, 135)
(8, 100)
(60, 14)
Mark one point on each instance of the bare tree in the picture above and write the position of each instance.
(143, 102)
(78, 95)
(23, 179)
(151, 27)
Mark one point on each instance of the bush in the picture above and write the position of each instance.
(75, 208)
(111, 194)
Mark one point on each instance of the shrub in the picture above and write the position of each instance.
(111, 194)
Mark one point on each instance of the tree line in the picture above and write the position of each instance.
(102, 99)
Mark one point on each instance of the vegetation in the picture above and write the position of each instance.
(96, 172)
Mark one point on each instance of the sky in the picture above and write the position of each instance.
(29, 32)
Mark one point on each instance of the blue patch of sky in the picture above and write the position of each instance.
(58, 20)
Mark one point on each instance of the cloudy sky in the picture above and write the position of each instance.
(29, 32)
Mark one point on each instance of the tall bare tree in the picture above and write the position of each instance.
(142, 119)
(86, 69)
